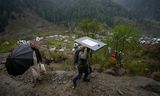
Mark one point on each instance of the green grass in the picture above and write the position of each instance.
(59, 44)
(7, 45)
(100, 57)
(55, 43)
(136, 68)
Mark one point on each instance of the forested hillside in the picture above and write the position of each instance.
(7, 10)
(72, 10)
(143, 8)
(145, 14)
(63, 11)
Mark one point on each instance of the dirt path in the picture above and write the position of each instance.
(58, 83)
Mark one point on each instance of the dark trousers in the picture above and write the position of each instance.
(90, 70)
(81, 70)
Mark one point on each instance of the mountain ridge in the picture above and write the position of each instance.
(143, 8)
(62, 11)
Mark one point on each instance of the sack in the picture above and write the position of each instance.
(42, 69)
(76, 57)
(35, 74)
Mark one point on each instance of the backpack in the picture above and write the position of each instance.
(76, 57)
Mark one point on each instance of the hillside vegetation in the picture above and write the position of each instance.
(144, 9)
(62, 11)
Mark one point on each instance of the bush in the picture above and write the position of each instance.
(7, 45)
(65, 59)
(152, 57)
(58, 56)
(156, 76)
(54, 56)
(54, 43)
(100, 58)
(135, 67)
(134, 62)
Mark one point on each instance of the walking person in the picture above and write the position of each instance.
(82, 66)
(37, 69)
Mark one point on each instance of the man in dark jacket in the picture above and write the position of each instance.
(82, 66)
(36, 50)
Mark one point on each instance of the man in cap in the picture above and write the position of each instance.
(75, 47)
(82, 66)
(37, 52)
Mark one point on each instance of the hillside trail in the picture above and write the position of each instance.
(59, 83)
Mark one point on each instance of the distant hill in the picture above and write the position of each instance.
(143, 13)
(62, 11)
(143, 8)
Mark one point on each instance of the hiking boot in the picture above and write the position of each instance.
(34, 85)
(86, 80)
(74, 84)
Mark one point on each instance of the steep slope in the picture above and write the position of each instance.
(26, 24)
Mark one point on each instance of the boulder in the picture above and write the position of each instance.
(97, 67)
(121, 71)
(1, 66)
(60, 74)
(52, 49)
(110, 71)
(153, 87)
(156, 76)
(61, 50)
(116, 71)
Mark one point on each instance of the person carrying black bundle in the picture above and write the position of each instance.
(36, 50)
(37, 69)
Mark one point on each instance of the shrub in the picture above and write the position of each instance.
(136, 67)
(54, 43)
(152, 57)
(156, 76)
(100, 58)
(7, 45)
(54, 56)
